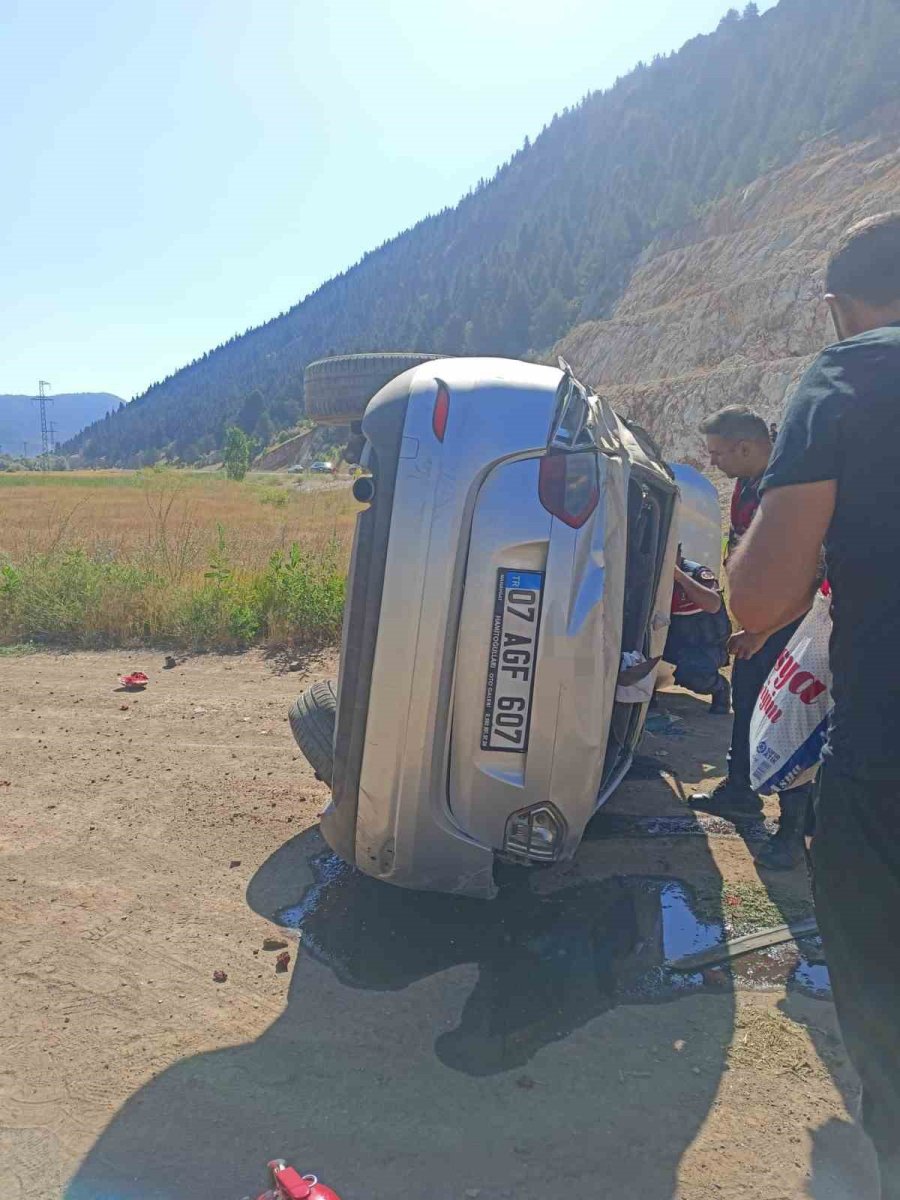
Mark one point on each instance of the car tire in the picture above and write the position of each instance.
(336, 391)
(312, 716)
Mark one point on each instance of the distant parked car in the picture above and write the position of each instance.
(322, 468)
(296, 469)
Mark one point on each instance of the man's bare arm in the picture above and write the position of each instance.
(706, 598)
(773, 573)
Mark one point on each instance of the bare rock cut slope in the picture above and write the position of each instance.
(729, 310)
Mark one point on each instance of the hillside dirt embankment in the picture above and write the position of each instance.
(729, 309)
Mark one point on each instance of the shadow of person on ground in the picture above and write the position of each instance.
(842, 1160)
(399, 1064)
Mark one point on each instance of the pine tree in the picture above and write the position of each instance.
(264, 431)
(250, 412)
(549, 320)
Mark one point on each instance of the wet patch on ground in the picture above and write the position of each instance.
(631, 825)
(547, 963)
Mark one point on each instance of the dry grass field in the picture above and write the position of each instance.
(171, 557)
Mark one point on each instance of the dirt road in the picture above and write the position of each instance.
(416, 1046)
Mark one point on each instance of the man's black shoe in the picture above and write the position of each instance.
(729, 799)
(721, 699)
(786, 849)
(783, 851)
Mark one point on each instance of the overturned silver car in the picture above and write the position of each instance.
(518, 540)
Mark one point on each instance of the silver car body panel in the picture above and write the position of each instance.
(405, 830)
(577, 660)
(699, 519)
(430, 805)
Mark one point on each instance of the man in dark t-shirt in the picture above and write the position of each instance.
(834, 480)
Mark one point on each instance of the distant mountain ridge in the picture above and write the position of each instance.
(20, 419)
(553, 240)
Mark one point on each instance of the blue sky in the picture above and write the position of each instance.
(175, 171)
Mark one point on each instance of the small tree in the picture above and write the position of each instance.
(751, 10)
(237, 453)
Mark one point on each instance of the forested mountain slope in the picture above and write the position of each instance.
(553, 239)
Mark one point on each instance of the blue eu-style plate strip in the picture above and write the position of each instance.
(523, 579)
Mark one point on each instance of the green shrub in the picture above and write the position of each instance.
(72, 597)
(276, 496)
(302, 590)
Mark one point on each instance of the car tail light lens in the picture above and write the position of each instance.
(569, 485)
(441, 411)
(535, 833)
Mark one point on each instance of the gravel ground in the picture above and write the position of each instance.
(423, 1048)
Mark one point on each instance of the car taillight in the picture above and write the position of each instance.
(569, 485)
(441, 411)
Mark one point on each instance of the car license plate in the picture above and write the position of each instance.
(511, 661)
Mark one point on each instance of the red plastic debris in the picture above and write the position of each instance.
(291, 1185)
(135, 681)
(282, 961)
(219, 976)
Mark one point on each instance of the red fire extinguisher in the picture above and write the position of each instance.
(291, 1185)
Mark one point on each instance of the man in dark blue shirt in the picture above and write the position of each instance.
(697, 645)
(834, 480)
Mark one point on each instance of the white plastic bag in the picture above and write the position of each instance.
(790, 721)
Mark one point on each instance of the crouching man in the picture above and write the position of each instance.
(697, 645)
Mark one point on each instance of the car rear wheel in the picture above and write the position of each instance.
(312, 716)
(337, 390)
